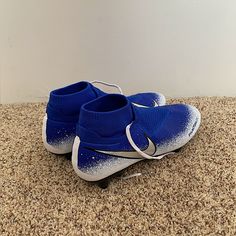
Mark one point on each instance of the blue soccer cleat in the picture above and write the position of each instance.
(113, 134)
(63, 109)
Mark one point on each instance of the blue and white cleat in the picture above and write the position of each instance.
(63, 109)
(113, 134)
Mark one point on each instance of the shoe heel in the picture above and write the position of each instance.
(58, 137)
(78, 154)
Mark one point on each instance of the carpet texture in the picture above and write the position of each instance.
(190, 193)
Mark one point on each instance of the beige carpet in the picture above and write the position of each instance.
(190, 193)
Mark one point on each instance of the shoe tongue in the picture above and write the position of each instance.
(108, 115)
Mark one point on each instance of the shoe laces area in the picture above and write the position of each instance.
(108, 84)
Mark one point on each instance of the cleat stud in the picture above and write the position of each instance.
(68, 156)
(103, 184)
(177, 150)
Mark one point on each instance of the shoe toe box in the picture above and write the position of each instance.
(178, 128)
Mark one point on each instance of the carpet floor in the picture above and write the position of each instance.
(189, 193)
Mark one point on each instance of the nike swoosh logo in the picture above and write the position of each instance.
(150, 150)
(139, 105)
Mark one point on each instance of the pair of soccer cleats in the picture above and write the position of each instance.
(106, 133)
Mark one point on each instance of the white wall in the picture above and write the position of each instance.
(182, 48)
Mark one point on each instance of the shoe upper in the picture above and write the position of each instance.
(103, 124)
(113, 134)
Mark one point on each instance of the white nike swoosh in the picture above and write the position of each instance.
(139, 105)
(150, 150)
